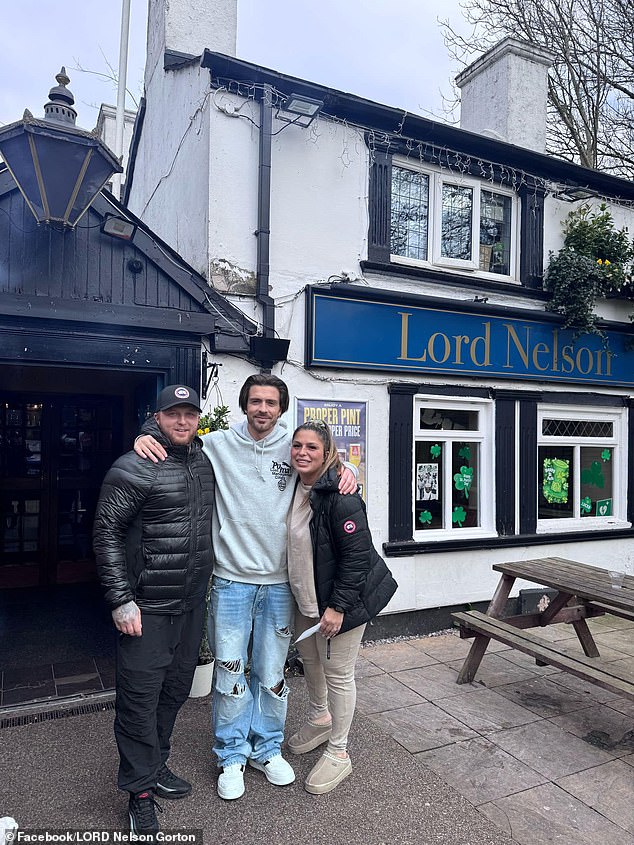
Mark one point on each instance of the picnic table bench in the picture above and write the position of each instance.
(583, 592)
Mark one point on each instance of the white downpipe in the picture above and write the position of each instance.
(121, 88)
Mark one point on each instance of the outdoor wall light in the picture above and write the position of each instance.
(118, 227)
(304, 109)
(58, 167)
(574, 193)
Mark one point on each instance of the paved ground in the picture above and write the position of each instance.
(546, 756)
(525, 755)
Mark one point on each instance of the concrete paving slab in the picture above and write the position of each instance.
(495, 670)
(544, 697)
(481, 770)
(365, 669)
(549, 750)
(527, 662)
(601, 726)
(445, 648)
(433, 682)
(395, 656)
(607, 789)
(383, 692)
(622, 640)
(485, 711)
(548, 814)
(422, 726)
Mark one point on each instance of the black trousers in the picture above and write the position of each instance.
(154, 676)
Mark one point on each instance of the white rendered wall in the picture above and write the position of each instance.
(198, 190)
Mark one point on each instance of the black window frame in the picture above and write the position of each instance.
(531, 222)
(510, 406)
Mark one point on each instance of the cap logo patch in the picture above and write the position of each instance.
(182, 393)
(349, 526)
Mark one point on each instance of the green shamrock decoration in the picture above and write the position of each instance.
(458, 516)
(463, 479)
(586, 504)
(425, 517)
(435, 450)
(593, 475)
(465, 453)
(606, 454)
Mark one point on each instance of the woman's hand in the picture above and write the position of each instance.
(147, 447)
(330, 623)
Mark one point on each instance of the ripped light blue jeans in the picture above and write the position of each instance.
(248, 719)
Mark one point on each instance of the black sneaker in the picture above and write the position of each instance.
(141, 810)
(169, 785)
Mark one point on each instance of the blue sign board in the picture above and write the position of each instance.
(353, 332)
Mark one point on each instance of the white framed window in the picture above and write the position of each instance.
(453, 477)
(451, 221)
(581, 468)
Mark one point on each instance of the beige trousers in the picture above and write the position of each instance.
(330, 680)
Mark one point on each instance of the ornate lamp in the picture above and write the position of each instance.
(58, 168)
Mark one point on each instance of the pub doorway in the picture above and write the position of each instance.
(60, 430)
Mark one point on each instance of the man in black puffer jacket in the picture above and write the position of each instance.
(152, 542)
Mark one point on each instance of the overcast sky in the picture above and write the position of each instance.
(388, 52)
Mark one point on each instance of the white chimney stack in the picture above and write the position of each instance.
(504, 94)
(190, 27)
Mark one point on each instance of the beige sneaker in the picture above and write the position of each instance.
(327, 773)
(308, 737)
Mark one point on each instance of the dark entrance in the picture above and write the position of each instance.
(54, 453)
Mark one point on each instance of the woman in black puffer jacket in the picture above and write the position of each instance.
(340, 583)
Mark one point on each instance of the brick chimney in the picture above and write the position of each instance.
(504, 94)
(188, 27)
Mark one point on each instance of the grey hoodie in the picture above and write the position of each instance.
(254, 487)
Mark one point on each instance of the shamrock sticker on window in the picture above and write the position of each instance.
(465, 453)
(586, 504)
(606, 455)
(425, 517)
(462, 480)
(458, 516)
(435, 451)
(593, 475)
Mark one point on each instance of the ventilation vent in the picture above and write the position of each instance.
(52, 715)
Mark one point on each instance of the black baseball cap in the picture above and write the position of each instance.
(177, 394)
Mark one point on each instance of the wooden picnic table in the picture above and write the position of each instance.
(583, 591)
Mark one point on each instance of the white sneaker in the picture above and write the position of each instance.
(231, 782)
(277, 770)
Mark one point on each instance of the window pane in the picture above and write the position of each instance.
(410, 211)
(428, 492)
(596, 481)
(465, 485)
(457, 215)
(495, 233)
(449, 419)
(577, 428)
(556, 482)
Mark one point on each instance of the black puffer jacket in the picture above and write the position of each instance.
(350, 575)
(152, 532)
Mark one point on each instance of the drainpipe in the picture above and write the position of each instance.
(264, 214)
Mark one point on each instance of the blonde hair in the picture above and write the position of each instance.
(322, 430)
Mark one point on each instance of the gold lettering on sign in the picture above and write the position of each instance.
(523, 353)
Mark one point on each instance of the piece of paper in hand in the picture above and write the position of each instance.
(308, 633)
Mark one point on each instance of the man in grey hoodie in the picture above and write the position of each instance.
(251, 598)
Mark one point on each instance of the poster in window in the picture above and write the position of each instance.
(347, 421)
(555, 481)
(427, 482)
